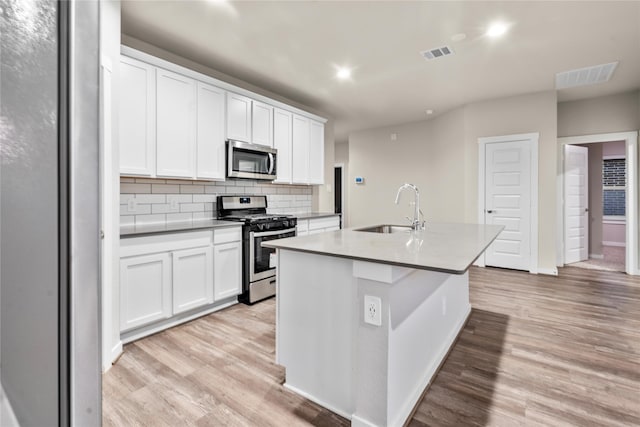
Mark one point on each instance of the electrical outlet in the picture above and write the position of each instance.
(372, 310)
(132, 205)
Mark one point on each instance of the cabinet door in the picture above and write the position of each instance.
(137, 117)
(192, 278)
(145, 290)
(300, 150)
(262, 124)
(238, 117)
(316, 153)
(210, 133)
(282, 138)
(176, 127)
(227, 270)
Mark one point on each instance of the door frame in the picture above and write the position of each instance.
(532, 139)
(631, 193)
(342, 189)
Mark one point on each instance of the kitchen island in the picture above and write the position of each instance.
(364, 318)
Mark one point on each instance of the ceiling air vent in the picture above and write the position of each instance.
(585, 76)
(437, 52)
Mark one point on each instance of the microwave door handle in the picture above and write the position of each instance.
(270, 163)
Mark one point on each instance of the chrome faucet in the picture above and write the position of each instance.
(416, 224)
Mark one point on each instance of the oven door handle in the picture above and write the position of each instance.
(271, 233)
(271, 163)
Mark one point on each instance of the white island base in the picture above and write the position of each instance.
(372, 375)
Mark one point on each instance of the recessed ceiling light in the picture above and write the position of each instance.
(497, 29)
(343, 73)
(458, 37)
(429, 112)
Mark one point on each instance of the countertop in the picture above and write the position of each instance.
(172, 227)
(449, 248)
(312, 215)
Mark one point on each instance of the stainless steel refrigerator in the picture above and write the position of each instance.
(49, 192)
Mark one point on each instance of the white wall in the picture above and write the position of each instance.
(605, 114)
(440, 156)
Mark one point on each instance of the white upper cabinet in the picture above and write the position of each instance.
(282, 138)
(262, 124)
(316, 153)
(238, 117)
(307, 151)
(137, 117)
(210, 152)
(176, 126)
(300, 150)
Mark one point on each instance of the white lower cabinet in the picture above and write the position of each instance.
(192, 278)
(228, 269)
(145, 290)
(317, 225)
(167, 279)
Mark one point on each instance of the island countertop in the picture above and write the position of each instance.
(445, 247)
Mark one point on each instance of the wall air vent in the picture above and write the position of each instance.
(585, 76)
(437, 53)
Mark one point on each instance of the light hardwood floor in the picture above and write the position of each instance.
(537, 350)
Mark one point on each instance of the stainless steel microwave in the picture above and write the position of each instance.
(253, 161)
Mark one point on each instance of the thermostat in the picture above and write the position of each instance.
(359, 180)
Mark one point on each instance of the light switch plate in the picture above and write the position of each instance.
(372, 310)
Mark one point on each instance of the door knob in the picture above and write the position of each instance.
(490, 211)
(586, 209)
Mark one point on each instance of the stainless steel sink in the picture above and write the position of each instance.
(386, 229)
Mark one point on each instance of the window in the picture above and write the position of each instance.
(613, 187)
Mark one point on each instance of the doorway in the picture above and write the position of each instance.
(338, 194)
(508, 196)
(595, 205)
(629, 193)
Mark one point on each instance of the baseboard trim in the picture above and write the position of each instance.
(143, 331)
(114, 355)
(548, 271)
(617, 244)
(596, 256)
(318, 401)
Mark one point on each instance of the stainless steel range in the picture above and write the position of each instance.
(258, 270)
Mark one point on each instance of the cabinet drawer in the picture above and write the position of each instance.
(226, 235)
(132, 246)
(319, 223)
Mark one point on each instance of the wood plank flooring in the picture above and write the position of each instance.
(537, 350)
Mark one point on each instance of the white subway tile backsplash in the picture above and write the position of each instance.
(127, 188)
(197, 216)
(174, 217)
(138, 210)
(150, 181)
(196, 200)
(191, 189)
(127, 220)
(201, 198)
(150, 219)
(192, 207)
(163, 208)
(150, 198)
(179, 198)
(165, 188)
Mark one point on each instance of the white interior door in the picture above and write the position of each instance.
(576, 204)
(508, 203)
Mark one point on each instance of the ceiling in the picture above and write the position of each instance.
(292, 48)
